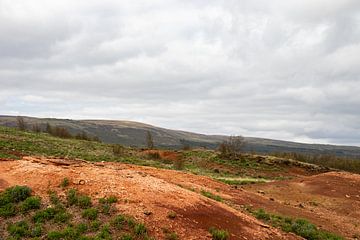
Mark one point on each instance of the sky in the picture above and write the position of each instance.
(275, 69)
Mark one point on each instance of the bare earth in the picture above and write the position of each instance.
(330, 200)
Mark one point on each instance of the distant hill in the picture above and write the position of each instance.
(131, 133)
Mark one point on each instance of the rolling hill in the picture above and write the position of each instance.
(131, 133)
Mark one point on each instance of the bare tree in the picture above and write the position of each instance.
(149, 140)
(232, 147)
(36, 128)
(21, 123)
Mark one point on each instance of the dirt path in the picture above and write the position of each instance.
(143, 190)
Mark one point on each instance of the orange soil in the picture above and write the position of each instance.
(144, 189)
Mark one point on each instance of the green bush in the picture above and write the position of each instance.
(54, 235)
(211, 195)
(37, 231)
(70, 233)
(8, 210)
(90, 213)
(81, 228)
(126, 237)
(30, 203)
(219, 234)
(261, 214)
(44, 215)
(72, 197)
(104, 232)
(112, 199)
(140, 229)
(54, 199)
(118, 221)
(84, 201)
(95, 225)
(62, 217)
(19, 229)
(171, 215)
(16, 194)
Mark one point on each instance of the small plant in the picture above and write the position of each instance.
(112, 199)
(70, 233)
(16, 194)
(30, 203)
(54, 235)
(171, 215)
(126, 237)
(140, 229)
(179, 163)
(54, 199)
(211, 195)
(84, 201)
(90, 213)
(118, 221)
(261, 214)
(65, 182)
(62, 217)
(95, 225)
(72, 197)
(104, 232)
(219, 234)
(44, 215)
(169, 235)
(118, 149)
(8, 210)
(37, 231)
(81, 228)
(19, 229)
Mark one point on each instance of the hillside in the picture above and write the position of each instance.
(176, 194)
(130, 133)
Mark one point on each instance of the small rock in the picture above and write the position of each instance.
(147, 212)
(347, 196)
(272, 199)
(261, 192)
(301, 205)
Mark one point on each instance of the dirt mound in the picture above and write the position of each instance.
(146, 193)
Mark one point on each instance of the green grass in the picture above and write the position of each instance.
(211, 195)
(242, 181)
(219, 234)
(61, 221)
(301, 227)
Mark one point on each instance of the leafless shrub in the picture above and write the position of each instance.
(232, 147)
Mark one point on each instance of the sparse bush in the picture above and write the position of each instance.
(179, 163)
(104, 232)
(118, 221)
(232, 147)
(95, 225)
(82, 228)
(36, 128)
(112, 199)
(62, 217)
(118, 150)
(126, 237)
(65, 182)
(149, 140)
(8, 210)
(70, 233)
(219, 234)
(54, 235)
(84, 201)
(19, 229)
(90, 213)
(140, 229)
(154, 155)
(72, 197)
(37, 231)
(20, 122)
(30, 203)
(261, 214)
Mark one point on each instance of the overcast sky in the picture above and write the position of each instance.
(282, 69)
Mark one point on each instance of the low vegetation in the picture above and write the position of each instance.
(219, 234)
(211, 195)
(300, 227)
(25, 216)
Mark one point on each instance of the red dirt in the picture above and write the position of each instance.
(143, 189)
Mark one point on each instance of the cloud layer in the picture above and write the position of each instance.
(276, 69)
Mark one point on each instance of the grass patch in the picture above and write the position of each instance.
(211, 195)
(219, 234)
(242, 181)
(301, 227)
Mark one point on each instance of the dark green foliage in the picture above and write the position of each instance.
(54, 235)
(104, 232)
(105, 208)
(37, 231)
(8, 210)
(140, 229)
(81, 227)
(84, 201)
(65, 182)
(44, 215)
(54, 199)
(112, 199)
(211, 195)
(30, 203)
(170, 235)
(19, 229)
(219, 234)
(126, 237)
(95, 225)
(171, 215)
(15, 194)
(90, 213)
(70, 233)
(62, 217)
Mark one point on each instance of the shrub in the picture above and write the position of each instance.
(65, 182)
(105, 209)
(118, 150)
(154, 155)
(54, 199)
(72, 197)
(81, 227)
(70, 233)
(126, 237)
(37, 231)
(62, 217)
(118, 221)
(84, 201)
(90, 213)
(8, 210)
(19, 229)
(112, 199)
(140, 229)
(30, 203)
(54, 235)
(43, 215)
(95, 225)
(179, 163)
(232, 147)
(17, 194)
(104, 232)
(219, 234)
(171, 236)
(261, 214)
